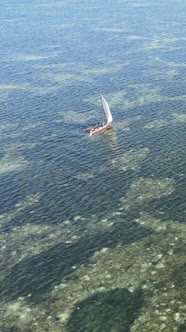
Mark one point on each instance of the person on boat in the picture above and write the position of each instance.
(98, 124)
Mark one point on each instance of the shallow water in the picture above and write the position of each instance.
(89, 224)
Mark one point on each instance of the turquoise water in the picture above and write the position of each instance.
(92, 229)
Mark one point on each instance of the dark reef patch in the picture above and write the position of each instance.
(38, 274)
(113, 310)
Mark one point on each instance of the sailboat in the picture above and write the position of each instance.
(97, 129)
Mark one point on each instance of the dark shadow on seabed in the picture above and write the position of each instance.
(114, 310)
(182, 327)
(179, 277)
(38, 274)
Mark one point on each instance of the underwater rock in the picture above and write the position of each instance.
(129, 160)
(145, 190)
(12, 162)
(156, 124)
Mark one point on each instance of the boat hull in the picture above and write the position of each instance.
(100, 129)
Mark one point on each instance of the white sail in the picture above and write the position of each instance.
(106, 110)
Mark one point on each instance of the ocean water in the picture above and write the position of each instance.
(92, 229)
